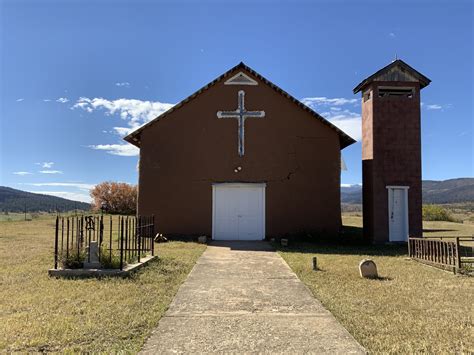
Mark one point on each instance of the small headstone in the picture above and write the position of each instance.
(202, 239)
(368, 269)
(315, 263)
(93, 262)
(284, 242)
(160, 238)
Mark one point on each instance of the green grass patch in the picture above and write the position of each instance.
(39, 313)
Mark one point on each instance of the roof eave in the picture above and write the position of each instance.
(133, 138)
(345, 140)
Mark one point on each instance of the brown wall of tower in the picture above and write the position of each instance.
(391, 155)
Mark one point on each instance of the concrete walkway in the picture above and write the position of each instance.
(241, 297)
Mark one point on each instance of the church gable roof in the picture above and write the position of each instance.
(345, 140)
(398, 70)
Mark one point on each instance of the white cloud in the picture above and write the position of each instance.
(22, 173)
(46, 100)
(392, 35)
(351, 185)
(20, 100)
(313, 102)
(351, 126)
(62, 100)
(124, 150)
(50, 171)
(135, 112)
(66, 194)
(123, 131)
(78, 185)
(434, 107)
(123, 84)
(74, 190)
(46, 164)
(337, 114)
(346, 120)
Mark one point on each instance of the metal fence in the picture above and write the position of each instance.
(444, 252)
(120, 239)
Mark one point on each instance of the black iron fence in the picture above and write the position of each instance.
(119, 240)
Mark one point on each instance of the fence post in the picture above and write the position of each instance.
(138, 236)
(153, 235)
(458, 256)
(121, 243)
(67, 237)
(110, 240)
(409, 247)
(56, 244)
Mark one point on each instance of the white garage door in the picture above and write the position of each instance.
(238, 211)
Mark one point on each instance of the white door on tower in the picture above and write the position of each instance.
(398, 213)
(238, 211)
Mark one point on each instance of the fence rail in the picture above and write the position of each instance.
(120, 239)
(443, 252)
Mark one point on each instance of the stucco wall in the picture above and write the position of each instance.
(295, 154)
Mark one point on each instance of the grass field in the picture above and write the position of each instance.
(39, 313)
(430, 229)
(413, 308)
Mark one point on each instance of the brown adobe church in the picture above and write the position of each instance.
(241, 159)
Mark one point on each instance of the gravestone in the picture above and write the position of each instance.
(368, 269)
(284, 242)
(202, 239)
(93, 261)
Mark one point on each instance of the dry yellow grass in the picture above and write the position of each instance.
(414, 308)
(39, 313)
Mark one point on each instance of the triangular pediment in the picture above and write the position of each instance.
(398, 70)
(240, 79)
(395, 74)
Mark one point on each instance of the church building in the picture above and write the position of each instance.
(240, 159)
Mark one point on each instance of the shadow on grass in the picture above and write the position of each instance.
(349, 242)
(438, 230)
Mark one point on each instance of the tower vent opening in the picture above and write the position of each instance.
(396, 92)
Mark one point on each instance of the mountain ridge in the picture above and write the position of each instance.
(13, 200)
(434, 191)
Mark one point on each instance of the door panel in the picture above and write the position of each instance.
(398, 226)
(238, 212)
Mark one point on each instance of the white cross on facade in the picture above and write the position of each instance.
(241, 114)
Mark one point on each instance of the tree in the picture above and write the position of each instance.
(115, 197)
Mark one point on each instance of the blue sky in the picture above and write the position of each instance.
(76, 75)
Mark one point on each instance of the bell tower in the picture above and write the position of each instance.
(391, 153)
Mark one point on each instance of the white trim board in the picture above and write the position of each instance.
(241, 79)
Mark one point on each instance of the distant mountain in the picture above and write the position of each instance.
(13, 200)
(447, 191)
(351, 194)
